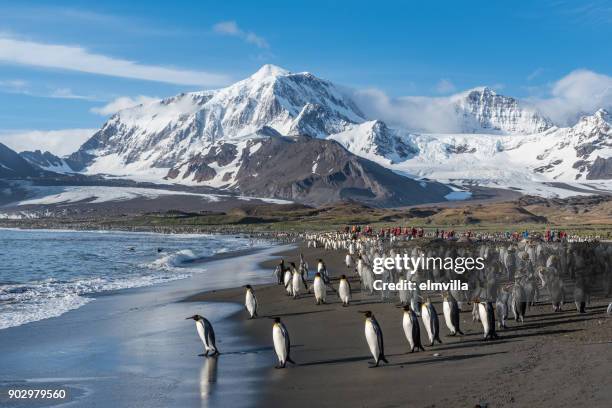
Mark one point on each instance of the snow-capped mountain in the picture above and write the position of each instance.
(162, 133)
(559, 161)
(374, 139)
(583, 151)
(482, 110)
(12, 165)
(210, 138)
(47, 161)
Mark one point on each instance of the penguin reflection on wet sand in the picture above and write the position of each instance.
(207, 335)
(374, 337)
(250, 301)
(282, 344)
(412, 330)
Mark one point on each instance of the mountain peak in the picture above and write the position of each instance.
(602, 114)
(270, 71)
(484, 109)
(484, 90)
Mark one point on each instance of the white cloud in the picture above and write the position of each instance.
(231, 28)
(227, 27)
(65, 93)
(75, 58)
(580, 92)
(120, 103)
(18, 86)
(419, 113)
(445, 86)
(535, 73)
(59, 142)
(13, 84)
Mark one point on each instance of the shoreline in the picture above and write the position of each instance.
(139, 331)
(332, 356)
(130, 285)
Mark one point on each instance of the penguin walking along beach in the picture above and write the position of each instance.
(322, 269)
(320, 289)
(431, 322)
(250, 301)
(282, 344)
(298, 284)
(344, 291)
(207, 335)
(348, 261)
(502, 307)
(287, 282)
(451, 314)
(374, 337)
(412, 330)
(487, 318)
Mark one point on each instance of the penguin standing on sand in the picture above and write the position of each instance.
(282, 344)
(431, 322)
(287, 282)
(410, 323)
(298, 284)
(451, 314)
(344, 291)
(322, 269)
(502, 307)
(320, 289)
(374, 337)
(348, 261)
(250, 301)
(487, 318)
(207, 335)
(518, 304)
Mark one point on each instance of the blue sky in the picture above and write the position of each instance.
(61, 63)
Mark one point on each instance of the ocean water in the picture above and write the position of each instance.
(48, 273)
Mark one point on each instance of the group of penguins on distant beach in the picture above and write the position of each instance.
(528, 267)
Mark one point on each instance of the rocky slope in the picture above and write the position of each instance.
(307, 170)
(47, 161)
(12, 165)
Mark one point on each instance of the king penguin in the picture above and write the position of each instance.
(412, 329)
(518, 303)
(298, 284)
(320, 290)
(487, 318)
(431, 322)
(374, 337)
(451, 314)
(250, 301)
(344, 291)
(282, 344)
(207, 335)
(287, 282)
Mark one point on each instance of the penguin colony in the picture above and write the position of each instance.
(516, 276)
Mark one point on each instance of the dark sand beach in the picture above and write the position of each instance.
(552, 359)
